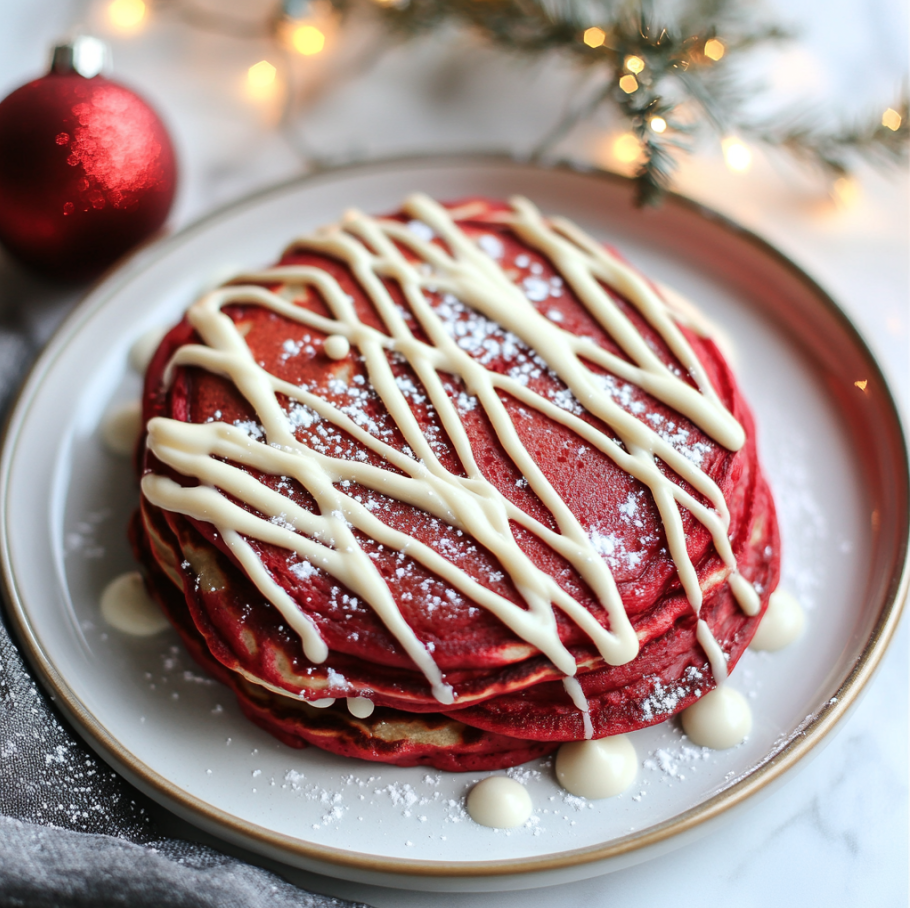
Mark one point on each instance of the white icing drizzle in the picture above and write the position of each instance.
(127, 606)
(322, 703)
(360, 707)
(781, 624)
(120, 428)
(499, 802)
(371, 248)
(717, 659)
(577, 695)
(597, 769)
(745, 594)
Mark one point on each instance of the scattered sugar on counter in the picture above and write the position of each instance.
(82, 538)
(671, 761)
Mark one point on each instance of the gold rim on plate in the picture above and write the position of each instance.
(882, 442)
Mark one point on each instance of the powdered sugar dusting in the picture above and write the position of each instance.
(664, 700)
(491, 245)
(82, 539)
(612, 547)
(674, 762)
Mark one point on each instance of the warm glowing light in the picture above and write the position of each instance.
(627, 148)
(634, 64)
(594, 37)
(658, 124)
(628, 84)
(714, 49)
(862, 384)
(261, 75)
(737, 154)
(846, 191)
(307, 40)
(891, 119)
(126, 15)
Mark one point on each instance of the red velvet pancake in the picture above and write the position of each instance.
(509, 702)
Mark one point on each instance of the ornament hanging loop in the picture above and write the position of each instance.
(84, 55)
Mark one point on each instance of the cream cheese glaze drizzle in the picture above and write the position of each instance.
(372, 248)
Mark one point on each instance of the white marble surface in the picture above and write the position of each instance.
(836, 833)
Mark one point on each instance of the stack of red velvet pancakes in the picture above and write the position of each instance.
(452, 487)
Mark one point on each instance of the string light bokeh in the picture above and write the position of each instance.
(737, 154)
(308, 29)
(594, 36)
(127, 15)
(714, 49)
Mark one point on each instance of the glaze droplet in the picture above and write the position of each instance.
(597, 769)
(360, 707)
(120, 428)
(127, 607)
(721, 719)
(336, 346)
(499, 802)
(781, 624)
(143, 349)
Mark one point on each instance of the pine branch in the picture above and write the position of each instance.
(664, 51)
(831, 150)
(669, 71)
(671, 60)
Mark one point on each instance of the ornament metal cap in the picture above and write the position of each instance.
(85, 55)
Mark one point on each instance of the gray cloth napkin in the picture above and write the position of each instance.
(72, 831)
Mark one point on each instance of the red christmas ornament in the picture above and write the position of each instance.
(87, 170)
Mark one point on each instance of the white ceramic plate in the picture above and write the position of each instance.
(834, 454)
